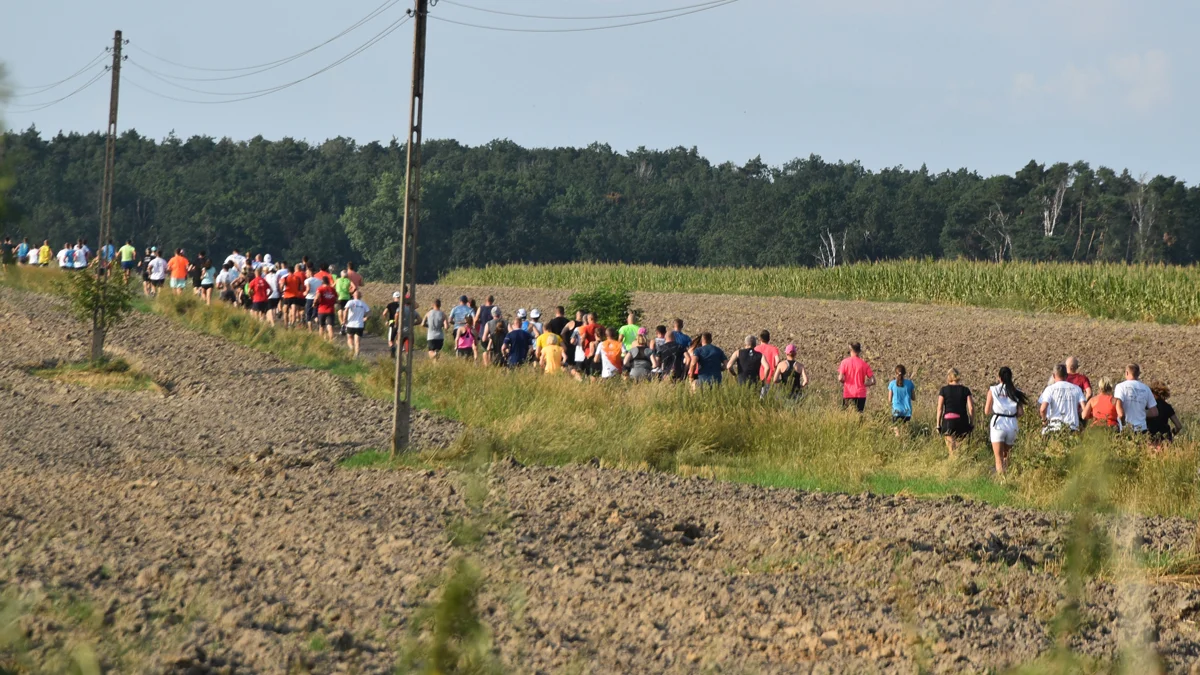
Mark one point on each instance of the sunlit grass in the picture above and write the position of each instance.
(113, 374)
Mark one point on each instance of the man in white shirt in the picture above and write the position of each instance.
(356, 321)
(1134, 401)
(158, 272)
(1061, 404)
(81, 256)
(237, 259)
(66, 257)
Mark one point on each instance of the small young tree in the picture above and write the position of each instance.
(101, 298)
(610, 305)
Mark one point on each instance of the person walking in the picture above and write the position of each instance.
(746, 363)
(1077, 378)
(790, 374)
(902, 393)
(1061, 404)
(356, 321)
(1102, 408)
(1135, 402)
(770, 360)
(671, 359)
(856, 377)
(435, 329)
(955, 412)
(1004, 407)
(681, 338)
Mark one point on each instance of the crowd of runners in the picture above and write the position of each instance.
(579, 345)
(322, 298)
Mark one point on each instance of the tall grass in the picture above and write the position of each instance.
(1131, 292)
(728, 433)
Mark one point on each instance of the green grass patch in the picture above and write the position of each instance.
(113, 374)
(1159, 293)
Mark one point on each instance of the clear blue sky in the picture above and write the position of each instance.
(982, 84)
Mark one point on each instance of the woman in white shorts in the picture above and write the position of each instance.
(1005, 405)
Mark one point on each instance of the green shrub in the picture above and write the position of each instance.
(610, 305)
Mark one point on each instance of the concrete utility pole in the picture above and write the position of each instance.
(106, 198)
(402, 421)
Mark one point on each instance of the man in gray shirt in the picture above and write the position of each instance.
(435, 325)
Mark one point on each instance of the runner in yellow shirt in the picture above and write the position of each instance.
(45, 254)
(552, 357)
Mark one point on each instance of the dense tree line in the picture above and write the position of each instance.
(500, 202)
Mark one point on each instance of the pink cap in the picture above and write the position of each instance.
(643, 331)
(790, 349)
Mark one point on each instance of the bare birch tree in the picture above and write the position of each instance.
(1143, 208)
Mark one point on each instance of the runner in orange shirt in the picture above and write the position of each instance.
(178, 267)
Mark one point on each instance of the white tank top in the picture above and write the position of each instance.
(1001, 403)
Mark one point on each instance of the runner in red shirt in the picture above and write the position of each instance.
(770, 360)
(1077, 378)
(855, 375)
(293, 296)
(326, 309)
(588, 337)
(260, 294)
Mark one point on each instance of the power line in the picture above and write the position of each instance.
(43, 106)
(718, 3)
(266, 92)
(263, 67)
(43, 88)
(582, 18)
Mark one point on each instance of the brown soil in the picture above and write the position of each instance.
(209, 530)
(927, 339)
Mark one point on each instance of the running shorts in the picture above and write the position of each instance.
(1006, 435)
(129, 265)
(958, 427)
(355, 331)
(342, 304)
(293, 302)
(157, 283)
(260, 307)
(435, 345)
(901, 419)
(273, 303)
(325, 320)
(859, 404)
(466, 353)
(178, 283)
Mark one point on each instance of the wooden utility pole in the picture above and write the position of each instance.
(106, 199)
(402, 421)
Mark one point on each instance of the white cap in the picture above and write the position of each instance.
(396, 295)
(521, 313)
(267, 258)
(535, 314)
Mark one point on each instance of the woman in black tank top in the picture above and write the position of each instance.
(791, 372)
(748, 362)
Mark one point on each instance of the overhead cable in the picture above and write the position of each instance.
(42, 88)
(43, 106)
(265, 92)
(270, 65)
(583, 18)
(720, 3)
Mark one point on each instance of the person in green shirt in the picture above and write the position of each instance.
(128, 258)
(629, 331)
(345, 289)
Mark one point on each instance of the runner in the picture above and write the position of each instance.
(955, 412)
(464, 342)
(1102, 409)
(609, 355)
(225, 279)
(81, 255)
(791, 372)
(483, 317)
(260, 295)
(1005, 405)
(585, 353)
(196, 268)
(559, 323)
(435, 329)
(323, 273)
(391, 315)
(1164, 426)
(312, 285)
(671, 358)
(208, 278)
(178, 267)
(156, 271)
(1077, 378)
(681, 338)
(45, 254)
(147, 258)
(326, 303)
(128, 256)
(629, 331)
(108, 253)
(66, 257)
(856, 376)
(570, 336)
(1061, 404)
(272, 278)
(546, 337)
(709, 361)
(535, 326)
(344, 288)
(746, 363)
(237, 259)
(901, 394)
(516, 345)
(355, 277)
(7, 252)
(552, 356)
(461, 314)
(293, 297)
(770, 360)
(356, 321)
(640, 361)
(33, 256)
(494, 333)
(1135, 402)
(23, 251)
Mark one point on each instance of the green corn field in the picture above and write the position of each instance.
(1165, 294)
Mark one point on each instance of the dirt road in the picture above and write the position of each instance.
(210, 530)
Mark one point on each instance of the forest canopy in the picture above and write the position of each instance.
(500, 203)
